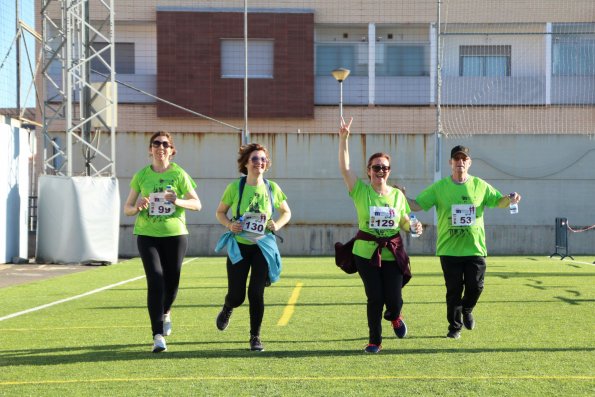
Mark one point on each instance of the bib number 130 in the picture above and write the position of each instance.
(254, 222)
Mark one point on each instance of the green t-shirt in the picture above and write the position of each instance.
(364, 197)
(465, 203)
(254, 199)
(147, 181)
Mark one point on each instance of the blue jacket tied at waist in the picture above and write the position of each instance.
(267, 244)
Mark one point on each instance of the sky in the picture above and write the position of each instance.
(8, 46)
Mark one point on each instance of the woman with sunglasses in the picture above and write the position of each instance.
(251, 242)
(159, 195)
(378, 251)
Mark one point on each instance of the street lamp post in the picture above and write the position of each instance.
(340, 75)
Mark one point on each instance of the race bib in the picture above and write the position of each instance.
(382, 218)
(463, 214)
(158, 206)
(254, 222)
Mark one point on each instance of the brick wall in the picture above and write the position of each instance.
(189, 64)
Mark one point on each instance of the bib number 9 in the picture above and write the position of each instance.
(158, 206)
(163, 210)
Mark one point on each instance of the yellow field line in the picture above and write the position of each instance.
(289, 309)
(296, 378)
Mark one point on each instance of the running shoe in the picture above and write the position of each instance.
(223, 318)
(372, 348)
(255, 344)
(468, 321)
(167, 324)
(399, 327)
(159, 344)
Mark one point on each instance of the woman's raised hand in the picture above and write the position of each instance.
(344, 131)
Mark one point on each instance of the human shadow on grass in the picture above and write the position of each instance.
(232, 349)
(573, 302)
(508, 275)
(217, 306)
(224, 287)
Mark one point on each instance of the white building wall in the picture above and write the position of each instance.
(14, 191)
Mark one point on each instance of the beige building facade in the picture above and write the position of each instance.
(503, 78)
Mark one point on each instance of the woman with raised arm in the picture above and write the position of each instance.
(159, 195)
(378, 252)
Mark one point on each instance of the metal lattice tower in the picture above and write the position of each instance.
(79, 101)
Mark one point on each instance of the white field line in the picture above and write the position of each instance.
(573, 261)
(34, 309)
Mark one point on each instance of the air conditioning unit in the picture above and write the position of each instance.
(105, 102)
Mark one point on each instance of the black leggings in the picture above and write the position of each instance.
(383, 287)
(237, 275)
(162, 259)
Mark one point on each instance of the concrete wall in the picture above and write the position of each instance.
(554, 174)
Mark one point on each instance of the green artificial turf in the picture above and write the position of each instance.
(534, 335)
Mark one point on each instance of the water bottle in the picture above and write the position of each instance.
(241, 220)
(167, 188)
(412, 225)
(514, 208)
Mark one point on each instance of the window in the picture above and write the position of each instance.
(349, 56)
(484, 60)
(401, 60)
(260, 59)
(573, 55)
(573, 49)
(124, 58)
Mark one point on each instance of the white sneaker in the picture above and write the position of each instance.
(167, 324)
(159, 344)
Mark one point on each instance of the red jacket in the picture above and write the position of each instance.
(344, 257)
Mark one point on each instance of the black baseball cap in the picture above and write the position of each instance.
(459, 149)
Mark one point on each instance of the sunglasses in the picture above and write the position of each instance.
(256, 159)
(156, 144)
(378, 168)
